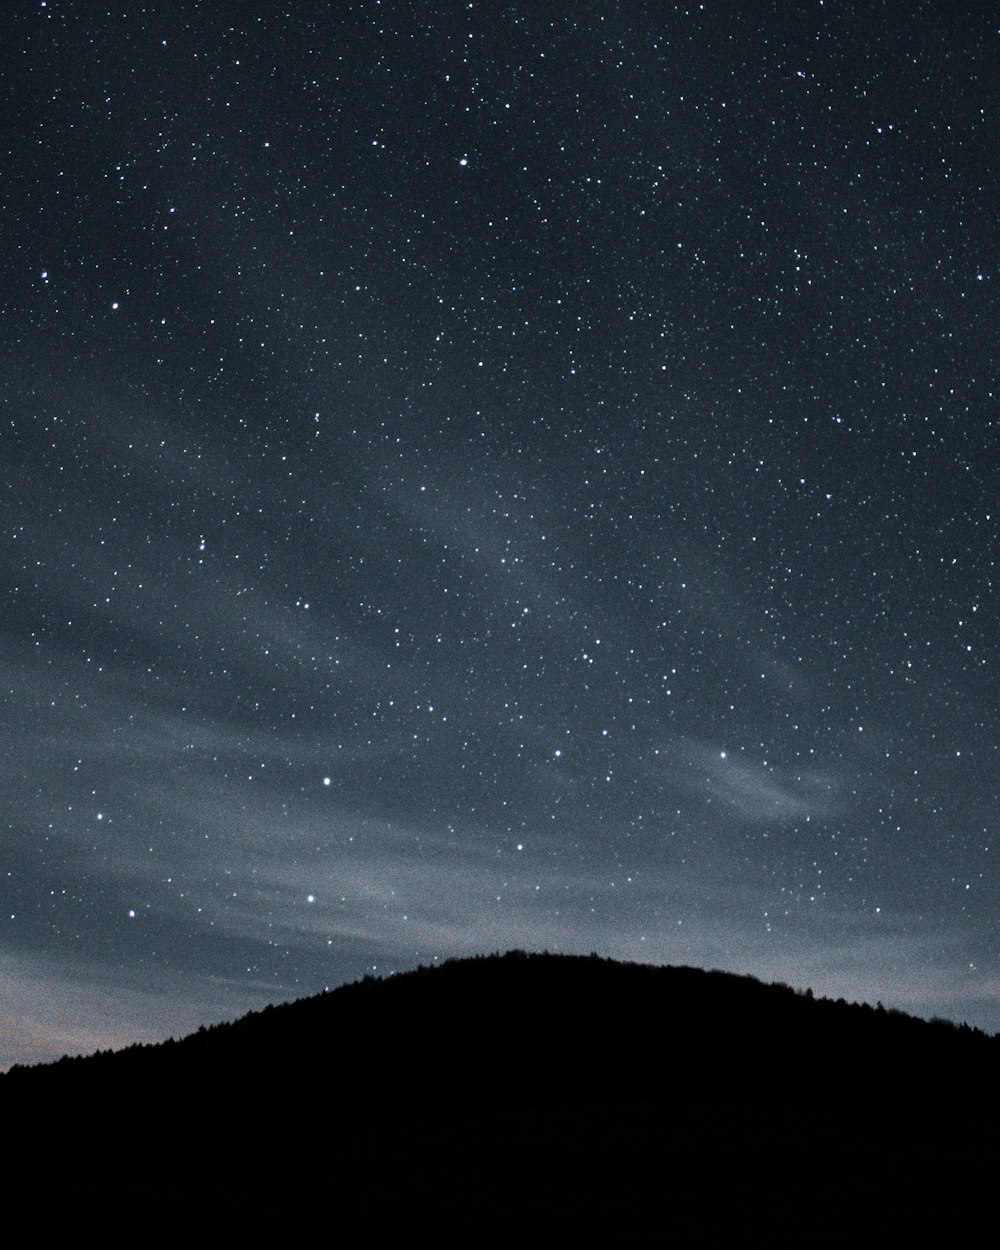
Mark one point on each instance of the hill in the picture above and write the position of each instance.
(566, 1088)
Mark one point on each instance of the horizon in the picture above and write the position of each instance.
(802, 991)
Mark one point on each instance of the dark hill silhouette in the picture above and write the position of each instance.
(567, 1088)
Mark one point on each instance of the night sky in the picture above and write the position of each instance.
(495, 475)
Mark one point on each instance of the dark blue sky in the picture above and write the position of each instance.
(483, 475)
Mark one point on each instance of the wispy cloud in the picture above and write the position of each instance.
(756, 790)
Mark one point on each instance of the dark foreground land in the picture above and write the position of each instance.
(523, 1095)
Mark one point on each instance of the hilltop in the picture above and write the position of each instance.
(583, 1074)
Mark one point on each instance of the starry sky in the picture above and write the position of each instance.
(486, 475)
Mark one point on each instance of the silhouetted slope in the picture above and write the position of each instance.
(528, 1029)
(538, 1083)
